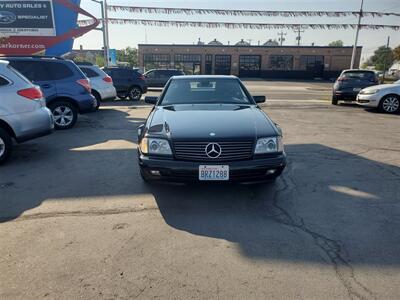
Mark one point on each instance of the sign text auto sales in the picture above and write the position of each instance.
(27, 18)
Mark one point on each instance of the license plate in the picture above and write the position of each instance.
(357, 89)
(214, 173)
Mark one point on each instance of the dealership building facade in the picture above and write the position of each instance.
(289, 62)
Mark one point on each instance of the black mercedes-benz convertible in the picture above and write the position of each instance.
(209, 128)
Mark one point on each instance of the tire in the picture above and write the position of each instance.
(390, 104)
(135, 93)
(65, 114)
(335, 100)
(5, 145)
(98, 100)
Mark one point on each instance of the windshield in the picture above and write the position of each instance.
(202, 91)
(359, 75)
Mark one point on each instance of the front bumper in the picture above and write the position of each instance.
(371, 100)
(253, 170)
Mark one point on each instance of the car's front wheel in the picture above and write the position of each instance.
(390, 104)
(135, 93)
(5, 145)
(65, 114)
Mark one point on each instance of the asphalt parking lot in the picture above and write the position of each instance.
(77, 222)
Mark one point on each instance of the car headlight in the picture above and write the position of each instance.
(369, 92)
(269, 145)
(155, 146)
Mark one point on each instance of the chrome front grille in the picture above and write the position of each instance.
(230, 151)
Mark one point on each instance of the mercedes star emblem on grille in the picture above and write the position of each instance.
(213, 150)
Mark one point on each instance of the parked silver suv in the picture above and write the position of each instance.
(23, 112)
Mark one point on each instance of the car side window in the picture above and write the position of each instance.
(151, 74)
(127, 73)
(121, 73)
(164, 74)
(89, 72)
(33, 70)
(59, 70)
(3, 81)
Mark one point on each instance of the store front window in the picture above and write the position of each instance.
(281, 62)
(222, 65)
(249, 65)
(156, 61)
(190, 64)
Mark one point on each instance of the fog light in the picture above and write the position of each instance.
(155, 173)
(270, 172)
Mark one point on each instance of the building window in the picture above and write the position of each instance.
(311, 62)
(190, 64)
(156, 61)
(208, 70)
(281, 62)
(222, 64)
(187, 58)
(250, 62)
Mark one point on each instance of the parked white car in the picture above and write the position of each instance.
(102, 84)
(23, 112)
(385, 97)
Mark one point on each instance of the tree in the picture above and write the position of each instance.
(396, 53)
(338, 43)
(129, 55)
(100, 60)
(383, 58)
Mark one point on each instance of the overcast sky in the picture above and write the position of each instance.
(122, 36)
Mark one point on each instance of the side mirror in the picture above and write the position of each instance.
(259, 99)
(140, 131)
(151, 100)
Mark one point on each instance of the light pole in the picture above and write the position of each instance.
(353, 56)
(104, 29)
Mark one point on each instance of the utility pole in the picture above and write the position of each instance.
(384, 65)
(105, 25)
(298, 37)
(353, 56)
(103, 30)
(282, 39)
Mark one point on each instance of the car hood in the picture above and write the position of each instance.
(383, 87)
(211, 122)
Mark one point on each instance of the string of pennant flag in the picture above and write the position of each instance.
(232, 12)
(232, 25)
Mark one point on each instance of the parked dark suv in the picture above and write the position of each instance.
(128, 82)
(351, 82)
(65, 87)
(159, 77)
